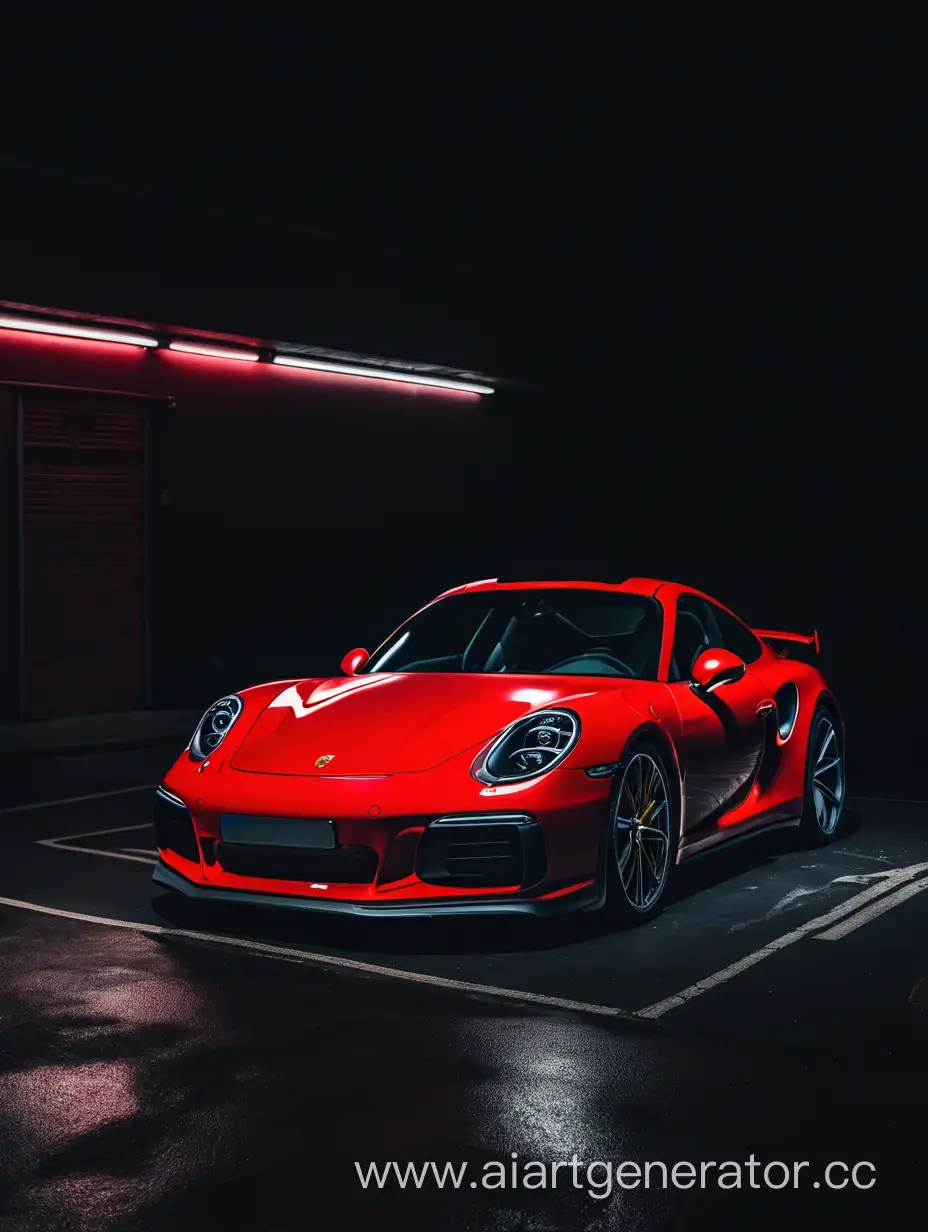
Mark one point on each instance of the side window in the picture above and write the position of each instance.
(693, 633)
(735, 636)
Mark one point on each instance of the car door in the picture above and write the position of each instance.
(722, 738)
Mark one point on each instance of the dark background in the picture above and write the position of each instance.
(690, 252)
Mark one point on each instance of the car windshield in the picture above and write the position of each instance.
(541, 632)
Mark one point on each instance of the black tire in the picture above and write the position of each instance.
(620, 905)
(824, 790)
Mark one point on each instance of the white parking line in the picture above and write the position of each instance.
(871, 912)
(326, 960)
(811, 926)
(111, 855)
(64, 844)
(66, 838)
(94, 795)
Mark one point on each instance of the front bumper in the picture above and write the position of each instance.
(260, 838)
(584, 898)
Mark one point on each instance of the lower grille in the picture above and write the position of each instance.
(173, 827)
(347, 864)
(481, 853)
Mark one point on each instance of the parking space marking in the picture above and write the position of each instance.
(325, 960)
(64, 844)
(847, 908)
(874, 910)
(94, 795)
(862, 855)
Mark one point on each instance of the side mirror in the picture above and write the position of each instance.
(714, 668)
(354, 660)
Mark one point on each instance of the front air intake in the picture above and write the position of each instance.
(174, 827)
(345, 865)
(481, 851)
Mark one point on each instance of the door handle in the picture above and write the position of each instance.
(765, 708)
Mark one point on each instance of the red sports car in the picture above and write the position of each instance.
(515, 746)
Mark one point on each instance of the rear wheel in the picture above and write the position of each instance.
(641, 843)
(823, 800)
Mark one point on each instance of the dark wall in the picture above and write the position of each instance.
(285, 534)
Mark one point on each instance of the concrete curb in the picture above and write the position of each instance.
(95, 733)
(113, 744)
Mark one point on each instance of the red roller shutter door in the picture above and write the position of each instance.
(9, 692)
(82, 471)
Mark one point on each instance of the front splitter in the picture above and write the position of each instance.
(587, 899)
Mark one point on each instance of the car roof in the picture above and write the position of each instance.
(633, 585)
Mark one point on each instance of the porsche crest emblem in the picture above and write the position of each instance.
(324, 760)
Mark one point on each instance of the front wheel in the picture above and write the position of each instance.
(641, 842)
(823, 798)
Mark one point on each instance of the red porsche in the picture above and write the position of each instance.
(529, 747)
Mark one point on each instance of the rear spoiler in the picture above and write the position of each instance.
(779, 635)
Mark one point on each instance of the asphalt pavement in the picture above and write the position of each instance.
(162, 1067)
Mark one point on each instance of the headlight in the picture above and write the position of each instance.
(532, 746)
(212, 728)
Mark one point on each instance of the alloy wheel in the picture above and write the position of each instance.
(827, 776)
(642, 831)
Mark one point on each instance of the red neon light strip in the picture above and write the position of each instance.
(57, 329)
(125, 338)
(380, 374)
(214, 352)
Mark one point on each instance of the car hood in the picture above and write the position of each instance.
(394, 723)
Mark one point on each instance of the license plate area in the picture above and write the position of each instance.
(249, 830)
